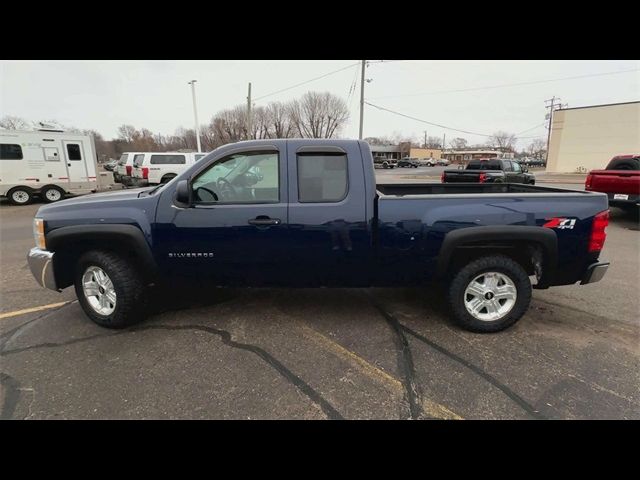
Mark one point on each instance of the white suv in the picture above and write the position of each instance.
(153, 168)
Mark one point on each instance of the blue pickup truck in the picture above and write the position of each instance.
(308, 213)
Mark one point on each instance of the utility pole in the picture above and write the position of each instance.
(551, 108)
(425, 139)
(249, 112)
(364, 63)
(195, 112)
(444, 141)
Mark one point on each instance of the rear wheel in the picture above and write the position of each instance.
(51, 194)
(489, 294)
(110, 290)
(20, 195)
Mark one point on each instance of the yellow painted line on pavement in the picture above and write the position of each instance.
(15, 313)
(434, 409)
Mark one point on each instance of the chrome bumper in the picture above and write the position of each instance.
(595, 272)
(41, 265)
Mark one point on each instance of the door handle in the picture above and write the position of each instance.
(263, 221)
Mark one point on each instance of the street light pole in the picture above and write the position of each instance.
(195, 112)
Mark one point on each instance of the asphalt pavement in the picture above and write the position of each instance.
(321, 353)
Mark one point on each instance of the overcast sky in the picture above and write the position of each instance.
(102, 95)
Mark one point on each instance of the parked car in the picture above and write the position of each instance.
(490, 171)
(383, 162)
(308, 213)
(429, 162)
(46, 163)
(110, 166)
(443, 162)
(153, 168)
(124, 170)
(620, 180)
(408, 162)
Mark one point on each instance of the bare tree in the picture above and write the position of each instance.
(434, 142)
(458, 143)
(9, 122)
(127, 133)
(278, 117)
(319, 115)
(537, 148)
(503, 140)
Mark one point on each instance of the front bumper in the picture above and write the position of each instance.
(594, 273)
(41, 265)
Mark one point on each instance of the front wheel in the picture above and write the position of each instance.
(52, 194)
(110, 290)
(489, 294)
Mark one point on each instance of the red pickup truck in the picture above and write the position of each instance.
(620, 181)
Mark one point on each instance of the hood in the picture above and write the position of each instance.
(104, 199)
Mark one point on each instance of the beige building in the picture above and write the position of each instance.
(586, 138)
(425, 153)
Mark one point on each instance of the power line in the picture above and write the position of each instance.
(307, 81)
(508, 84)
(444, 126)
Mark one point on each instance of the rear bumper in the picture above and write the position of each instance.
(623, 202)
(595, 272)
(41, 266)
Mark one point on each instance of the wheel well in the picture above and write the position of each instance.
(67, 256)
(167, 176)
(530, 255)
(51, 185)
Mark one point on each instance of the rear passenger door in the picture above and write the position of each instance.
(329, 237)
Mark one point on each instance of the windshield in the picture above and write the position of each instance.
(123, 159)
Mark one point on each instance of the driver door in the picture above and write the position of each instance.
(235, 230)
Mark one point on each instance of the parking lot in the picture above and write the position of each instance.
(322, 353)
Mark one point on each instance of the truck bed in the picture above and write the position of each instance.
(402, 190)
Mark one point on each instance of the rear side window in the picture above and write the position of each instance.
(624, 164)
(137, 160)
(73, 151)
(167, 159)
(10, 151)
(322, 177)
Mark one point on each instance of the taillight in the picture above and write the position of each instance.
(442, 178)
(145, 173)
(598, 235)
(482, 178)
(587, 182)
(128, 168)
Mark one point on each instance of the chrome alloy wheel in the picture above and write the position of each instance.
(490, 296)
(99, 291)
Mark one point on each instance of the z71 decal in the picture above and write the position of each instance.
(560, 222)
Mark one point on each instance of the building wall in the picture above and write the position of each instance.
(583, 139)
(425, 153)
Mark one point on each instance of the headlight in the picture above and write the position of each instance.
(38, 233)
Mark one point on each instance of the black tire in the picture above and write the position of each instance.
(20, 195)
(131, 299)
(167, 178)
(462, 279)
(51, 194)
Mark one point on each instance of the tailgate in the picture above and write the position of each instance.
(461, 176)
(615, 181)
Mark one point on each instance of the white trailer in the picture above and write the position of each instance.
(46, 163)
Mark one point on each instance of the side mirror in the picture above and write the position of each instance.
(183, 192)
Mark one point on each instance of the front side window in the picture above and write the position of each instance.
(10, 151)
(167, 160)
(73, 151)
(251, 177)
(322, 177)
(137, 160)
(516, 167)
(506, 165)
